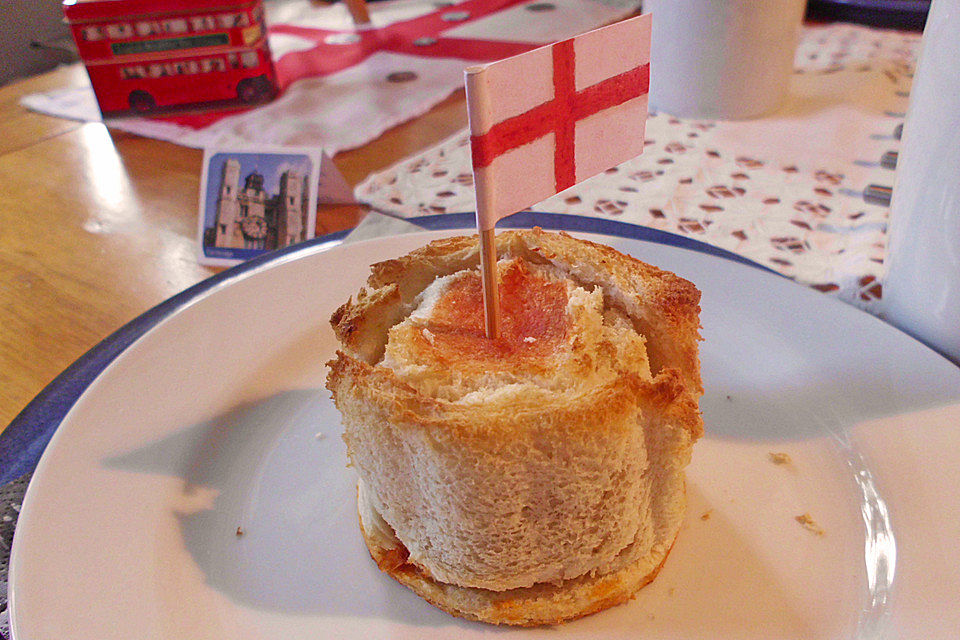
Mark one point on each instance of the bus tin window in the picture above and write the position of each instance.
(92, 34)
(120, 31)
(249, 59)
(175, 26)
(231, 20)
(145, 29)
(191, 67)
(156, 71)
(203, 23)
(233, 61)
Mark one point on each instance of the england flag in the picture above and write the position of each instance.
(547, 119)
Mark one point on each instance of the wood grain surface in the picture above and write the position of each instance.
(97, 227)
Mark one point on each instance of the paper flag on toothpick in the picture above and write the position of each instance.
(544, 120)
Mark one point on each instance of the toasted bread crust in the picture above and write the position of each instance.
(543, 604)
(389, 400)
(664, 306)
(483, 484)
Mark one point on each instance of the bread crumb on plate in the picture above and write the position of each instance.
(779, 458)
(808, 523)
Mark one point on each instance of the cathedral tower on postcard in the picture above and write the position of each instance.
(249, 217)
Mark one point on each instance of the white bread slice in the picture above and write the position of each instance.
(538, 479)
(544, 603)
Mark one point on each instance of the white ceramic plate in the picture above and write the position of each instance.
(216, 419)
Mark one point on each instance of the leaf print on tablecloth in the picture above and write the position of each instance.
(749, 163)
(723, 191)
(825, 176)
(642, 176)
(419, 164)
(691, 226)
(870, 288)
(791, 244)
(826, 287)
(814, 208)
(610, 207)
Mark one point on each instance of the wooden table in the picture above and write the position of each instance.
(97, 227)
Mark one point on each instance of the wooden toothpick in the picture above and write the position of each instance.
(491, 290)
(358, 11)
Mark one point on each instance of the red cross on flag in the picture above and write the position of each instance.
(547, 119)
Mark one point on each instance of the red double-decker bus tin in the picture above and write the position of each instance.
(161, 56)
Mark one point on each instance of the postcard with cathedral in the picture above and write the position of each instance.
(255, 202)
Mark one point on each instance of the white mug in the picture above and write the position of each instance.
(724, 59)
(921, 288)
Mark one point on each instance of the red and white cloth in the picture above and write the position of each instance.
(544, 120)
(342, 86)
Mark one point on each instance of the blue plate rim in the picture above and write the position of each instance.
(25, 438)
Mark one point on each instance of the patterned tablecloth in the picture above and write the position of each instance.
(786, 190)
